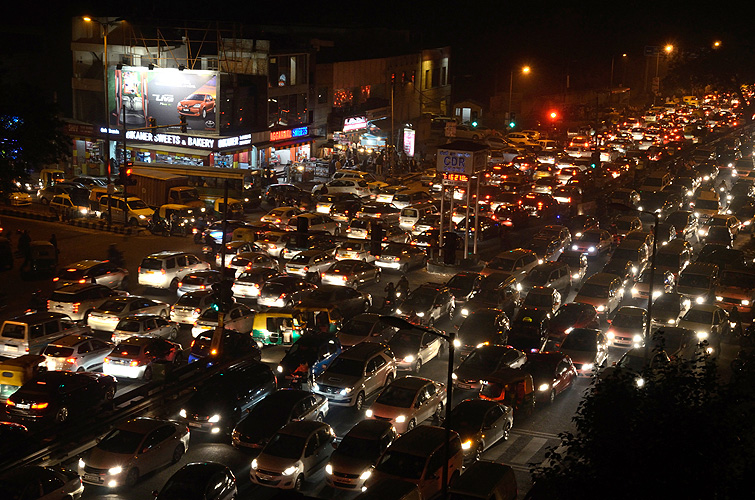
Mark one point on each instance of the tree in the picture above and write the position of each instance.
(685, 433)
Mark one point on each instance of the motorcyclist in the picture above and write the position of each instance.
(390, 295)
(402, 288)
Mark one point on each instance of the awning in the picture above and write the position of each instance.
(294, 142)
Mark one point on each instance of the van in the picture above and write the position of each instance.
(706, 205)
(603, 291)
(411, 214)
(166, 269)
(133, 209)
(674, 257)
(656, 181)
(418, 456)
(486, 481)
(30, 333)
(698, 282)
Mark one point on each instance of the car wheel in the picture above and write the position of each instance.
(110, 394)
(552, 396)
(173, 334)
(147, 373)
(299, 482)
(388, 380)
(359, 403)
(61, 415)
(133, 222)
(178, 453)
(438, 415)
(80, 370)
(417, 365)
(506, 432)
(132, 477)
(204, 113)
(478, 453)
(320, 417)
(411, 425)
(451, 312)
(174, 285)
(404, 268)
(164, 313)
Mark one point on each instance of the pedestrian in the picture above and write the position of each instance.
(54, 240)
(736, 318)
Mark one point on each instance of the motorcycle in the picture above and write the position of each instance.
(158, 228)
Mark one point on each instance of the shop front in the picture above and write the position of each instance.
(292, 145)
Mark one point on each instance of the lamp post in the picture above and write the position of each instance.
(657, 218)
(668, 49)
(623, 58)
(104, 25)
(525, 71)
(401, 323)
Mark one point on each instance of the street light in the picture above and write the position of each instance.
(668, 49)
(623, 58)
(716, 44)
(525, 71)
(656, 215)
(401, 323)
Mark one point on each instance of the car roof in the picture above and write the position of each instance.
(164, 254)
(302, 428)
(411, 382)
(632, 311)
(140, 317)
(602, 279)
(138, 340)
(203, 470)
(83, 264)
(369, 429)
(542, 290)
(70, 340)
(73, 288)
(38, 317)
(362, 350)
(705, 307)
(286, 396)
(142, 425)
(422, 440)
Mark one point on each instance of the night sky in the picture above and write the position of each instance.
(488, 39)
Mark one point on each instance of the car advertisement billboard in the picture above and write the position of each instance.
(164, 94)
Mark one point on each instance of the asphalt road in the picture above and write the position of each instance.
(528, 442)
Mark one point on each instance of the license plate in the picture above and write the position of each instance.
(265, 477)
(93, 477)
(195, 424)
(11, 348)
(22, 406)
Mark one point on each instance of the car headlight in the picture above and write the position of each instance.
(671, 321)
(408, 359)
(279, 369)
(745, 302)
(640, 382)
(519, 287)
(637, 338)
(574, 247)
(142, 216)
(690, 193)
(575, 276)
(365, 475)
(344, 391)
(457, 342)
(84, 210)
(400, 419)
(543, 387)
(702, 335)
(700, 299)
(399, 311)
(719, 298)
(420, 314)
(368, 413)
(587, 367)
(329, 469)
(634, 269)
(656, 294)
(466, 444)
(610, 334)
(316, 387)
(640, 208)
(182, 413)
(591, 249)
(601, 308)
(454, 376)
(113, 471)
(290, 470)
(214, 419)
(82, 464)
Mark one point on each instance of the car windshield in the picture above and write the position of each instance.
(57, 351)
(301, 259)
(194, 280)
(136, 205)
(195, 97)
(479, 325)
(485, 359)
(343, 267)
(189, 299)
(706, 204)
(420, 299)
(113, 306)
(593, 290)
(580, 341)
(502, 264)
(467, 418)
(664, 259)
(525, 340)
(694, 280)
(355, 247)
(359, 448)
(659, 278)
(590, 238)
(538, 300)
(121, 442)
(152, 264)
(344, 366)
(285, 446)
(72, 274)
(737, 279)
(406, 338)
(625, 254)
(699, 316)
(126, 351)
(129, 326)
(678, 219)
(538, 276)
(462, 281)
(398, 397)
(631, 362)
(627, 321)
(396, 463)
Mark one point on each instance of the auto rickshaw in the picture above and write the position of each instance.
(17, 371)
(43, 260)
(188, 219)
(6, 253)
(235, 208)
(512, 387)
(274, 328)
(317, 319)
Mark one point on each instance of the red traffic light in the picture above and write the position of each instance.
(553, 115)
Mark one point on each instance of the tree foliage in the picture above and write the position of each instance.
(684, 434)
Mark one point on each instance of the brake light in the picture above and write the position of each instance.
(162, 271)
(202, 287)
(56, 278)
(48, 305)
(82, 280)
(197, 311)
(344, 278)
(180, 284)
(139, 269)
(75, 307)
(134, 363)
(272, 246)
(10, 403)
(71, 361)
(213, 352)
(106, 361)
(306, 268)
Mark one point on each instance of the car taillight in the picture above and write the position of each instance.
(192, 344)
(306, 268)
(10, 403)
(48, 305)
(106, 360)
(172, 308)
(202, 287)
(344, 278)
(134, 363)
(180, 284)
(71, 361)
(56, 278)
(75, 307)
(139, 269)
(162, 271)
(197, 311)
(82, 280)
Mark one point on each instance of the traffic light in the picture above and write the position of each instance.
(474, 124)
(124, 175)
(222, 295)
(184, 127)
(152, 124)
(512, 120)
(595, 159)
(553, 115)
(512, 124)
(376, 239)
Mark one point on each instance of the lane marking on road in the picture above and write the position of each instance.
(496, 451)
(528, 451)
(540, 434)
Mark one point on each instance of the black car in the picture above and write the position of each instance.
(58, 395)
(312, 240)
(481, 424)
(283, 291)
(275, 411)
(204, 480)
(34, 482)
(529, 330)
(483, 326)
(234, 345)
(307, 358)
(339, 205)
(685, 224)
(218, 404)
(427, 304)
(278, 194)
(497, 290)
(483, 361)
(621, 268)
(463, 284)
(349, 301)
(488, 228)
(14, 438)
(552, 373)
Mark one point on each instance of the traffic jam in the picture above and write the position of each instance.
(346, 334)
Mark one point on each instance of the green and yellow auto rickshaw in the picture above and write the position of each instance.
(274, 328)
(17, 371)
(317, 319)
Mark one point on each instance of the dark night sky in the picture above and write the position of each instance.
(488, 39)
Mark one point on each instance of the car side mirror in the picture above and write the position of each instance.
(155, 493)
(334, 445)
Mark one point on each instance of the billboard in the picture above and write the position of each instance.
(409, 142)
(164, 94)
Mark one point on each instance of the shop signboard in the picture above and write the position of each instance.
(409, 136)
(354, 123)
(291, 133)
(459, 161)
(165, 94)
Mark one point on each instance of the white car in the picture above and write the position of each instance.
(315, 222)
(156, 326)
(76, 353)
(234, 248)
(109, 314)
(166, 269)
(353, 186)
(239, 317)
(357, 250)
(279, 216)
(79, 299)
(190, 306)
(251, 260)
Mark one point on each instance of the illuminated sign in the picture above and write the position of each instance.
(171, 139)
(409, 142)
(456, 161)
(455, 177)
(281, 135)
(240, 140)
(354, 123)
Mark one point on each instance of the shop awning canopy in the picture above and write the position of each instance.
(294, 142)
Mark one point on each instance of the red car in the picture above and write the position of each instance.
(552, 373)
(197, 105)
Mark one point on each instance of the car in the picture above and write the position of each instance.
(348, 302)
(577, 262)
(481, 327)
(356, 250)
(65, 206)
(486, 227)
(283, 291)
(339, 206)
(634, 251)
(307, 358)
(552, 373)
(401, 257)
(167, 269)
(386, 214)
(57, 396)
(636, 362)
(73, 189)
(196, 104)
(350, 272)
(310, 264)
(273, 412)
(529, 329)
(429, 303)
(156, 326)
(207, 479)
(77, 300)
(484, 360)
(592, 242)
(481, 424)
(542, 298)
(247, 261)
(221, 401)
(719, 235)
(663, 282)
(554, 275)
(248, 284)
(234, 248)
(365, 327)
(735, 289)
(93, 271)
(276, 193)
(134, 449)
(238, 317)
(107, 316)
(685, 224)
(281, 215)
(195, 282)
(190, 306)
(587, 348)
(581, 223)
(414, 347)
(233, 346)
(135, 357)
(622, 268)
(628, 327)
(517, 262)
(709, 322)
(602, 291)
(570, 317)
(558, 232)
(34, 482)
(698, 280)
(314, 222)
(463, 284)
(409, 401)
(76, 353)
(294, 453)
(497, 290)
(352, 462)
(356, 187)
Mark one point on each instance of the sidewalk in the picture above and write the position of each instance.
(97, 224)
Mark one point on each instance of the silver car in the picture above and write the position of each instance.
(251, 260)
(156, 326)
(77, 300)
(76, 353)
(357, 250)
(191, 306)
(239, 317)
(309, 263)
(195, 282)
(351, 273)
(234, 248)
(109, 314)
(93, 271)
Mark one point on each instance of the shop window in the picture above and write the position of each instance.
(322, 95)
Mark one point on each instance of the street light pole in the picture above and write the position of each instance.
(401, 323)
